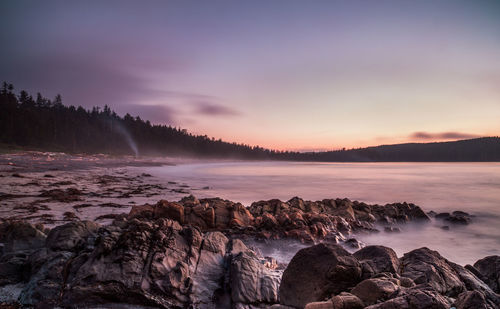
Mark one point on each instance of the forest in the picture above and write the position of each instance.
(43, 124)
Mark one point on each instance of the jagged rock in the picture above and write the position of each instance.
(251, 282)
(428, 267)
(425, 266)
(317, 272)
(489, 268)
(371, 291)
(71, 236)
(380, 258)
(170, 210)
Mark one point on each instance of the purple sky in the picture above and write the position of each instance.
(281, 74)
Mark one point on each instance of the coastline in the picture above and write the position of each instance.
(55, 212)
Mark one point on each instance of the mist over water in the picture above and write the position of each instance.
(442, 187)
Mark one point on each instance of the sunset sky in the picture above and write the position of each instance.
(299, 75)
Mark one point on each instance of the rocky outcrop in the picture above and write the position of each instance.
(141, 261)
(306, 221)
(191, 254)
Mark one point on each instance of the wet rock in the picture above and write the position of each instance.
(371, 291)
(489, 268)
(317, 272)
(252, 282)
(71, 236)
(380, 258)
(209, 269)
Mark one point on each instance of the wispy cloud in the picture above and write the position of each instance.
(441, 135)
(213, 109)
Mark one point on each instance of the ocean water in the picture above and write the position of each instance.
(470, 187)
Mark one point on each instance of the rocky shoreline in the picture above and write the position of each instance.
(198, 254)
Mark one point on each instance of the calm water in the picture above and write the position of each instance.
(471, 187)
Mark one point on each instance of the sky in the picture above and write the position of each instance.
(295, 75)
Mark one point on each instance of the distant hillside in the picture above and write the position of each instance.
(49, 125)
(478, 149)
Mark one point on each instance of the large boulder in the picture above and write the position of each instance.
(489, 267)
(251, 282)
(425, 266)
(316, 273)
(380, 258)
(429, 268)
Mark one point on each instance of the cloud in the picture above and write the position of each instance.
(213, 109)
(442, 135)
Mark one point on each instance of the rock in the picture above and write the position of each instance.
(71, 236)
(380, 258)
(425, 266)
(489, 267)
(65, 196)
(251, 282)
(320, 305)
(371, 291)
(354, 243)
(471, 300)
(415, 299)
(14, 268)
(442, 215)
(20, 235)
(347, 301)
(458, 219)
(169, 210)
(317, 272)
(208, 271)
(45, 284)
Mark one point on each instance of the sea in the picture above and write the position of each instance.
(441, 187)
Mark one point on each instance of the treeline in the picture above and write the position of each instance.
(46, 124)
(40, 123)
(484, 149)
